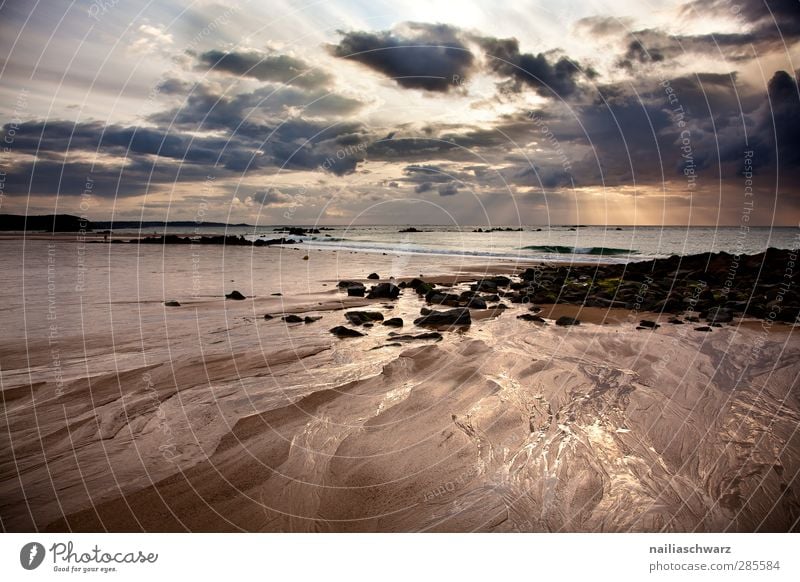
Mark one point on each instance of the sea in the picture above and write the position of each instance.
(601, 244)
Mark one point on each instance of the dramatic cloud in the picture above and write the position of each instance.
(419, 56)
(549, 78)
(765, 27)
(522, 105)
(438, 58)
(265, 67)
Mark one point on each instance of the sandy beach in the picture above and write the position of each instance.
(123, 414)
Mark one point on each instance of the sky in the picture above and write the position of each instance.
(403, 111)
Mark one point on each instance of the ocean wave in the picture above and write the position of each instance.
(564, 250)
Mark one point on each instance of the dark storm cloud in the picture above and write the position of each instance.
(548, 77)
(437, 57)
(767, 18)
(47, 178)
(404, 149)
(264, 67)
(206, 109)
(769, 26)
(58, 138)
(656, 46)
(427, 56)
(776, 135)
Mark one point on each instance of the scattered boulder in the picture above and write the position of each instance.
(342, 331)
(424, 288)
(267, 316)
(476, 303)
(235, 295)
(384, 291)
(703, 328)
(420, 336)
(532, 317)
(394, 322)
(566, 321)
(675, 321)
(647, 324)
(362, 317)
(292, 318)
(373, 276)
(347, 284)
(356, 291)
(171, 303)
(311, 318)
(459, 316)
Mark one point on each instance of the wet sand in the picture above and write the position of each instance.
(207, 417)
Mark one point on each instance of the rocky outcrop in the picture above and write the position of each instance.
(459, 316)
(342, 331)
(362, 317)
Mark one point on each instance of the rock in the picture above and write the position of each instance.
(311, 318)
(476, 303)
(703, 328)
(362, 317)
(394, 322)
(675, 321)
(373, 276)
(420, 336)
(438, 298)
(409, 229)
(499, 306)
(459, 316)
(531, 317)
(647, 324)
(424, 288)
(347, 284)
(414, 283)
(565, 321)
(425, 311)
(356, 291)
(384, 291)
(692, 319)
(276, 294)
(171, 303)
(292, 318)
(305, 258)
(267, 316)
(342, 331)
(235, 295)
